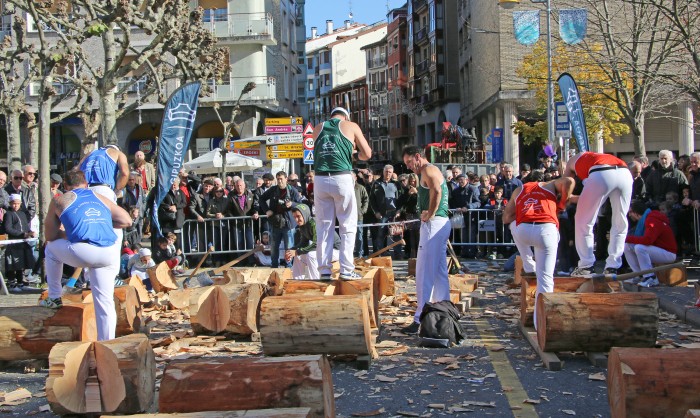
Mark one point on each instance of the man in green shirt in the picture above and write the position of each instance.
(432, 283)
(335, 140)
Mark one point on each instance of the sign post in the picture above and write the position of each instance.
(309, 144)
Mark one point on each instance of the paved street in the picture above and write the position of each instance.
(494, 372)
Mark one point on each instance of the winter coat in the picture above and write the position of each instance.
(17, 256)
(662, 181)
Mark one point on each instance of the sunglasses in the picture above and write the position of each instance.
(17, 178)
(30, 174)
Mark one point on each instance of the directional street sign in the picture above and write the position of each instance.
(284, 139)
(284, 154)
(309, 143)
(285, 147)
(308, 157)
(290, 120)
(286, 129)
(247, 144)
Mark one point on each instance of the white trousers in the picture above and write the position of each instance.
(432, 283)
(544, 238)
(641, 257)
(334, 196)
(613, 184)
(100, 267)
(305, 266)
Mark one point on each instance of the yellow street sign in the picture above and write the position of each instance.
(248, 144)
(284, 154)
(290, 120)
(284, 147)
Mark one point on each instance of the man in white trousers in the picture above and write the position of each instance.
(432, 283)
(652, 241)
(305, 265)
(534, 207)
(604, 177)
(87, 240)
(335, 141)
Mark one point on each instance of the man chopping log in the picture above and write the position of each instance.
(432, 283)
(335, 141)
(534, 207)
(305, 266)
(87, 240)
(604, 177)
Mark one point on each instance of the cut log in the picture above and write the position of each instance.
(271, 413)
(107, 376)
(248, 383)
(381, 262)
(596, 321)
(367, 287)
(162, 278)
(676, 276)
(136, 283)
(65, 298)
(296, 287)
(231, 308)
(465, 283)
(180, 298)
(412, 266)
(274, 279)
(649, 382)
(386, 281)
(315, 325)
(518, 278)
(30, 332)
(455, 296)
(528, 288)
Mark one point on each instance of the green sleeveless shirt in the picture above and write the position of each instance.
(332, 150)
(424, 199)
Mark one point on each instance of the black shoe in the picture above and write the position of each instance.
(326, 277)
(610, 270)
(411, 329)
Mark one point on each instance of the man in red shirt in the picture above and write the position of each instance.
(604, 177)
(533, 207)
(652, 242)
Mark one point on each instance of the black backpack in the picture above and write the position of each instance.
(440, 320)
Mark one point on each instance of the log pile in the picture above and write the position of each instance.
(596, 321)
(107, 376)
(248, 383)
(649, 382)
(232, 308)
(274, 279)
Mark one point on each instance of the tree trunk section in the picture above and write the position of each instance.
(596, 321)
(465, 283)
(180, 298)
(136, 283)
(274, 279)
(269, 413)
(30, 332)
(304, 287)
(248, 383)
(231, 308)
(315, 325)
(649, 382)
(14, 144)
(107, 376)
(162, 278)
(367, 287)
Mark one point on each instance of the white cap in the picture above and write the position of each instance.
(15, 197)
(342, 111)
(144, 252)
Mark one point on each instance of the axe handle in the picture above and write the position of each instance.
(204, 257)
(385, 249)
(625, 276)
(452, 254)
(225, 267)
(76, 273)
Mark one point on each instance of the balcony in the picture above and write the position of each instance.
(422, 67)
(418, 5)
(228, 90)
(421, 35)
(378, 132)
(377, 62)
(377, 87)
(243, 28)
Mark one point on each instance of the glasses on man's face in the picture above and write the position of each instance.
(30, 174)
(18, 177)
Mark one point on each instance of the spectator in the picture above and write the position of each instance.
(231, 183)
(646, 168)
(652, 241)
(684, 165)
(146, 171)
(694, 181)
(293, 181)
(218, 209)
(56, 181)
(508, 182)
(241, 205)
(485, 182)
(454, 183)
(17, 256)
(259, 182)
(383, 199)
(134, 196)
(665, 179)
(310, 188)
(463, 199)
(303, 252)
(524, 172)
(4, 196)
(362, 199)
(277, 203)
(219, 184)
(171, 212)
(408, 202)
(17, 186)
(133, 233)
(262, 256)
(369, 217)
(264, 225)
(493, 179)
(168, 254)
(200, 234)
(139, 264)
(639, 189)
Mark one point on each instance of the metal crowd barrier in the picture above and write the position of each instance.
(226, 235)
(483, 227)
(696, 235)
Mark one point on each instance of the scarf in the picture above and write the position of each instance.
(639, 229)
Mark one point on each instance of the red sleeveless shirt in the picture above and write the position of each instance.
(536, 204)
(589, 159)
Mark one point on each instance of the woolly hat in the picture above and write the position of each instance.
(144, 252)
(15, 197)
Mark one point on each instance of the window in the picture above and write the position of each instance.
(215, 15)
(391, 74)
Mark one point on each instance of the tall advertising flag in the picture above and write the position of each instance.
(175, 133)
(569, 92)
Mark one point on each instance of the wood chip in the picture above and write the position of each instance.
(407, 414)
(369, 413)
(11, 398)
(596, 376)
(425, 392)
(532, 401)
(436, 405)
(568, 412)
(386, 379)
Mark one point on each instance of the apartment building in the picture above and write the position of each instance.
(400, 128)
(353, 96)
(378, 132)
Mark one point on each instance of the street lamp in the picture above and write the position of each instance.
(509, 4)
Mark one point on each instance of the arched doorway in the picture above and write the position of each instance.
(208, 136)
(143, 138)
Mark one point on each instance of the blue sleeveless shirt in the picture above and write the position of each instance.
(100, 168)
(89, 220)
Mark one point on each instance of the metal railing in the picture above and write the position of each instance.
(696, 235)
(243, 25)
(230, 235)
(483, 227)
(230, 89)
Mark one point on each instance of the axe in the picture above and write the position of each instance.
(598, 282)
(453, 255)
(382, 251)
(204, 277)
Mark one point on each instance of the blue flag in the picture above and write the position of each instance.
(572, 25)
(526, 26)
(175, 133)
(569, 92)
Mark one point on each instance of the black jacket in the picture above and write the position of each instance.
(28, 200)
(270, 200)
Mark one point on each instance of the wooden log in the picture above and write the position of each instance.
(412, 266)
(162, 278)
(465, 283)
(596, 321)
(136, 283)
(271, 413)
(528, 288)
(127, 306)
(455, 296)
(248, 383)
(107, 376)
(231, 308)
(649, 382)
(274, 279)
(307, 324)
(381, 262)
(518, 278)
(385, 276)
(296, 287)
(180, 298)
(65, 298)
(29, 332)
(676, 276)
(367, 287)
